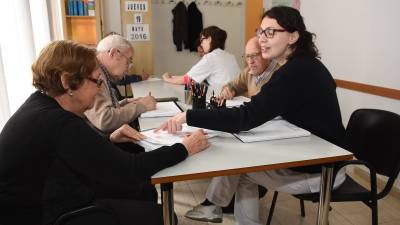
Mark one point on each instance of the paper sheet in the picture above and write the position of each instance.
(162, 109)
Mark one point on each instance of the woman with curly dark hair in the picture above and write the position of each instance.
(301, 91)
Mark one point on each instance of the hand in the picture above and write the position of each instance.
(145, 75)
(195, 142)
(166, 76)
(126, 134)
(149, 102)
(174, 124)
(227, 93)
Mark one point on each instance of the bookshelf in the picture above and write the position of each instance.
(87, 28)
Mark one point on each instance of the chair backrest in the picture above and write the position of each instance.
(374, 136)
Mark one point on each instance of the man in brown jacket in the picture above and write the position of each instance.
(254, 76)
(115, 55)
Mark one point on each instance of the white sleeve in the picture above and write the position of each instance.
(201, 70)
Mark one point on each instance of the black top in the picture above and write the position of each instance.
(52, 161)
(302, 91)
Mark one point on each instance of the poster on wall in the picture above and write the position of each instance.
(136, 6)
(271, 3)
(138, 32)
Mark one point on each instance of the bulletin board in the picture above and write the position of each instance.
(136, 18)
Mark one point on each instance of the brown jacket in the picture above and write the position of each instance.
(245, 84)
(107, 118)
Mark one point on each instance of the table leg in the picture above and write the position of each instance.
(325, 194)
(167, 198)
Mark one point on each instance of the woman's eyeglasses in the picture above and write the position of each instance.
(268, 32)
(97, 81)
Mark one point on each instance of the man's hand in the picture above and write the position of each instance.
(227, 93)
(126, 134)
(174, 124)
(145, 75)
(149, 102)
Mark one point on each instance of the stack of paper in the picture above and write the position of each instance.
(157, 139)
(271, 130)
(237, 101)
(162, 109)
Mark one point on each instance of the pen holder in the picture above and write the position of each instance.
(188, 97)
(199, 102)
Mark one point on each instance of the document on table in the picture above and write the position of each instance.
(237, 101)
(157, 139)
(271, 130)
(162, 109)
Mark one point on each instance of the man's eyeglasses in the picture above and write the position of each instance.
(128, 59)
(97, 81)
(253, 56)
(268, 32)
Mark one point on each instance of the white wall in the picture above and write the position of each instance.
(358, 41)
(166, 58)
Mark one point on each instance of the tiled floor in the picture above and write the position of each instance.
(287, 212)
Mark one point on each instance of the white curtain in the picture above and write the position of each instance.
(24, 31)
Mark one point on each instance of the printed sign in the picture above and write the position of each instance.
(137, 18)
(136, 6)
(138, 32)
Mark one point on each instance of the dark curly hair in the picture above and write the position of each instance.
(291, 20)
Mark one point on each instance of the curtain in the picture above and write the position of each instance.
(25, 30)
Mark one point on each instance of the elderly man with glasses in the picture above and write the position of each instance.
(110, 109)
(254, 76)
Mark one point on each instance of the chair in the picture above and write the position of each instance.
(373, 137)
(92, 214)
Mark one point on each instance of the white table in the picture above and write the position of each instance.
(229, 156)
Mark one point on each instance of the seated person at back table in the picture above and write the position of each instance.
(115, 55)
(258, 72)
(53, 162)
(216, 66)
(302, 91)
(248, 83)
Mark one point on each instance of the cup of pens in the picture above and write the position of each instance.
(199, 92)
(187, 94)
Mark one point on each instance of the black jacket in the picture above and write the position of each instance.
(302, 91)
(180, 26)
(195, 26)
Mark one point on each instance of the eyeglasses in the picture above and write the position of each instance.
(253, 56)
(128, 59)
(97, 81)
(268, 32)
(202, 39)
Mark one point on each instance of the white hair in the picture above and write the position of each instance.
(113, 41)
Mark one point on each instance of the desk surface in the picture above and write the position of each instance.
(228, 156)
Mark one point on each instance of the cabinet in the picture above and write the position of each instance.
(82, 28)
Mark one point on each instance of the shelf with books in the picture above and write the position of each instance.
(82, 20)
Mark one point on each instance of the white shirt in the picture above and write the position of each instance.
(217, 67)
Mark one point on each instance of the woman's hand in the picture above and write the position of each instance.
(126, 134)
(196, 142)
(166, 76)
(174, 124)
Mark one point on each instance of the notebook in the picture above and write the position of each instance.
(272, 130)
(162, 109)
